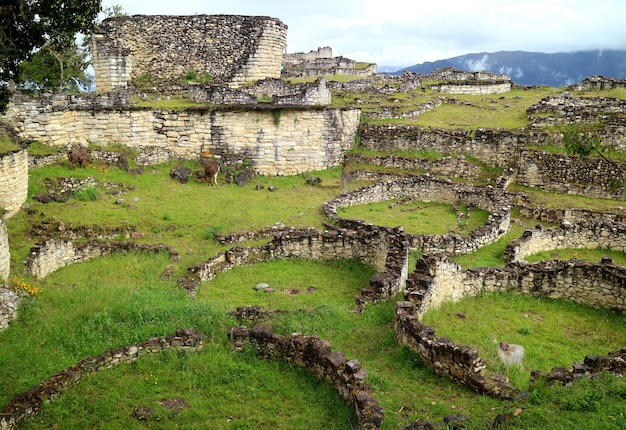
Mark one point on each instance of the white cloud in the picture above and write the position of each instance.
(406, 32)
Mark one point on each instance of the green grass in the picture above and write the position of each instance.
(416, 217)
(553, 332)
(117, 300)
(7, 144)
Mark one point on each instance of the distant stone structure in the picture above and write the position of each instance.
(322, 63)
(232, 49)
(453, 81)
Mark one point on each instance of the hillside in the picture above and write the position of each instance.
(536, 68)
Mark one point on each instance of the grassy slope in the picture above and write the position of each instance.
(117, 300)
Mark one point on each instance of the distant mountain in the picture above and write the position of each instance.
(536, 68)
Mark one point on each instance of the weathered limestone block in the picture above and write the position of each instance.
(230, 48)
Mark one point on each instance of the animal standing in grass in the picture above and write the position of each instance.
(211, 169)
(510, 354)
(77, 155)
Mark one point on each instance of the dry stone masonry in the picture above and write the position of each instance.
(13, 181)
(232, 49)
(322, 63)
(275, 140)
(26, 405)
(346, 376)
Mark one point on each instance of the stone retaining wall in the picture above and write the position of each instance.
(592, 83)
(428, 189)
(450, 167)
(593, 177)
(52, 254)
(473, 87)
(604, 234)
(13, 181)
(346, 376)
(9, 304)
(232, 49)
(566, 109)
(276, 141)
(573, 215)
(25, 405)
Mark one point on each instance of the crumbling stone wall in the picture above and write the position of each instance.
(566, 174)
(450, 167)
(452, 74)
(52, 254)
(593, 83)
(25, 405)
(383, 248)
(437, 279)
(232, 49)
(346, 376)
(604, 234)
(13, 181)
(275, 140)
(278, 91)
(591, 176)
(322, 63)
(573, 215)
(460, 363)
(5, 253)
(9, 304)
(429, 189)
(566, 109)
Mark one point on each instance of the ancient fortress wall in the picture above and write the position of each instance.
(275, 140)
(590, 176)
(476, 88)
(13, 193)
(233, 49)
(13, 181)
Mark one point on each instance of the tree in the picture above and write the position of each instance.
(56, 71)
(27, 26)
(583, 143)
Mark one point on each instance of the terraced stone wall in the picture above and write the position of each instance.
(274, 140)
(232, 49)
(593, 177)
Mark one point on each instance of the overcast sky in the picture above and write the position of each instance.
(402, 33)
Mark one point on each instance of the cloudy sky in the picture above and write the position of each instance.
(402, 33)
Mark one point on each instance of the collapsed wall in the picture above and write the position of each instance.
(232, 49)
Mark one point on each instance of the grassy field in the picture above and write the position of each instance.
(87, 308)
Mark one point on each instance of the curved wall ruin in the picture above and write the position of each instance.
(232, 49)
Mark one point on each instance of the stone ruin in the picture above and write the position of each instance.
(322, 63)
(231, 49)
(122, 60)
